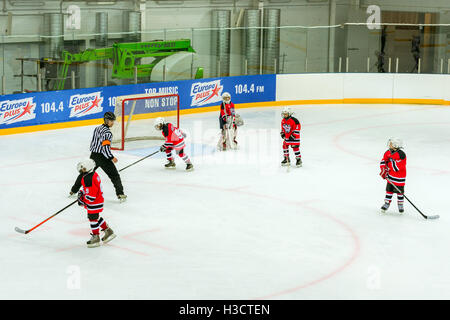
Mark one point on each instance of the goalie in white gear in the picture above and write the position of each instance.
(228, 122)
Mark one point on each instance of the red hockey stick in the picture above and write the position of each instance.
(55, 214)
(27, 231)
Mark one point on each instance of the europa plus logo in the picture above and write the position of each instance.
(84, 104)
(206, 92)
(12, 111)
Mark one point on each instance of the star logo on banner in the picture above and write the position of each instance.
(26, 109)
(94, 104)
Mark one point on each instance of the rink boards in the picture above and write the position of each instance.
(37, 111)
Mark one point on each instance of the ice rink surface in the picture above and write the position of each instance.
(239, 226)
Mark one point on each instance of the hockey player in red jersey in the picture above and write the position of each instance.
(227, 123)
(91, 198)
(393, 169)
(290, 132)
(174, 141)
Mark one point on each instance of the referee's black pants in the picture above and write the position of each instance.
(108, 167)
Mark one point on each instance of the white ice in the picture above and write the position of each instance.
(239, 226)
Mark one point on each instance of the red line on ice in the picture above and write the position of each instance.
(334, 272)
(129, 250)
(150, 244)
(338, 137)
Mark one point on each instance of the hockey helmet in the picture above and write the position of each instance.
(286, 110)
(87, 165)
(226, 97)
(395, 143)
(159, 122)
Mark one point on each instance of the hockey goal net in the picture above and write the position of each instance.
(135, 115)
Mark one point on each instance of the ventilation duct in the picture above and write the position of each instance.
(252, 40)
(221, 43)
(26, 3)
(132, 23)
(53, 29)
(271, 44)
(101, 41)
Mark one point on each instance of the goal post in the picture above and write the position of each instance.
(135, 115)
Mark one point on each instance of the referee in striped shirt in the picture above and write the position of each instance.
(101, 154)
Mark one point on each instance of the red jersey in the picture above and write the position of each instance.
(174, 137)
(394, 165)
(227, 109)
(93, 194)
(291, 128)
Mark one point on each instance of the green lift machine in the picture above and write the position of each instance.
(126, 58)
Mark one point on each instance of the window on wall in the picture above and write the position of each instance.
(410, 46)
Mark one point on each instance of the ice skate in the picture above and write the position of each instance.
(299, 163)
(94, 241)
(170, 165)
(385, 207)
(400, 208)
(109, 235)
(189, 167)
(286, 162)
(122, 197)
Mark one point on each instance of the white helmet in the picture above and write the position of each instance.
(159, 122)
(226, 97)
(87, 164)
(286, 110)
(396, 143)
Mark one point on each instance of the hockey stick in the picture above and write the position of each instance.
(55, 214)
(29, 230)
(139, 160)
(423, 215)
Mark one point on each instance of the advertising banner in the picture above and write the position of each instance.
(38, 108)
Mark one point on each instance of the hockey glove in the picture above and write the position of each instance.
(163, 148)
(383, 173)
(283, 135)
(81, 198)
(238, 120)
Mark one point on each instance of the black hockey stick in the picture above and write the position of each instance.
(423, 215)
(55, 214)
(139, 160)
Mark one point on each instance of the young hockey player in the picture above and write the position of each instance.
(393, 169)
(290, 132)
(91, 198)
(174, 141)
(227, 123)
(101, 153)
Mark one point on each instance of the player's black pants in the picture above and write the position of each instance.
(390, 188)
(108, 167)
